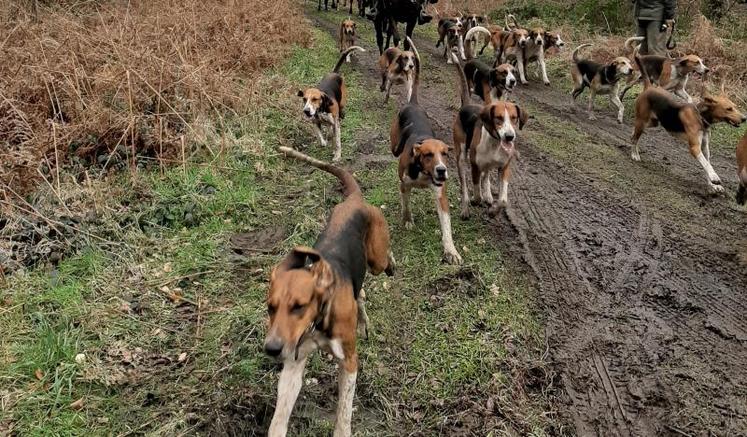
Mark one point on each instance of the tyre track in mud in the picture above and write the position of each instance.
(654, 335)
(643, 306)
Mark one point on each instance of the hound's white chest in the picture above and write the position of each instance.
(400, 78)
(317, 340)
(489, 153)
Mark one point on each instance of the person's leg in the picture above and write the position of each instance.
(641, 31)
(655, 38)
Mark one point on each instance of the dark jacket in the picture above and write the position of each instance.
(656, 10)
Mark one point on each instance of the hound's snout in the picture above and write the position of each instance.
(273, 347)
(509, 137)
(441, 173)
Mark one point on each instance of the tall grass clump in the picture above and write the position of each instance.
(102, 82)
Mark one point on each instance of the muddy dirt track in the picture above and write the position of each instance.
(640, 274)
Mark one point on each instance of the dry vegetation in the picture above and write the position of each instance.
(93, 82)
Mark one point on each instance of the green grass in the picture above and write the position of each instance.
(440, 334)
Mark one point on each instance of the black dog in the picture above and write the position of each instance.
(319, 5)
(387, 13)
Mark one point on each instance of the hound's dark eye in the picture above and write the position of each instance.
(271, 309)
(304, 99)
(428, 155)
(298, 309)
(731, 109)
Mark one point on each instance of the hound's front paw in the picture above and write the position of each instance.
(464, 214)
(497, 207)
(452, 257)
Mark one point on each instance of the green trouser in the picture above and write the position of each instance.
(653, 44)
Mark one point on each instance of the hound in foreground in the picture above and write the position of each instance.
(325, 104)
(484, 138)
(683, 120)
(315, 297)
(601, 79)
(422, 163)
(347, 35)
(671, 74)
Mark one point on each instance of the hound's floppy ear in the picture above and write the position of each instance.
(487, 114)
(322, 272)
(523, 117)
(493, 77)
(682, 61)
(416, 149)
(300, 93)
(326, 103)
(306, 257)
(299, 258)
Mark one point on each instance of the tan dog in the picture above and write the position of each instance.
(316, 300)
(325, 104)
(397, 67)
(683, 120)
(671, 74)
(484, 137)
(742, 170)
(347, 35)
(535, 51)
(422, 164)
(534, 54)
(509, 45)
(601, 79)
